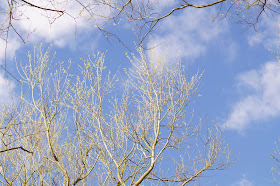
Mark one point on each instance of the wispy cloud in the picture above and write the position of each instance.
(161, 5)
(187, 34)
(243, 182)
(8, 51)
(6, 89)
(267, 33)
(261, 99)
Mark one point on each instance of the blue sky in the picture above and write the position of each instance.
(240, 86)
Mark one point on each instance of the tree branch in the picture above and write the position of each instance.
(42, 8)
(15, 148)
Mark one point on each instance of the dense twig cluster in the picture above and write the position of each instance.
(72, 129)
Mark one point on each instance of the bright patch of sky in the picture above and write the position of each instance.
(241, 81)
(243, 182)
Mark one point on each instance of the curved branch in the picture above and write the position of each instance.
(15, 148)
(185, 6)
(42, 8)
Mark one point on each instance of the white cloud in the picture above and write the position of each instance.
(187, 34)
(6, 89)
(35, 25)
(160, 5)
(9, 51)
(243, 182)
(262, 99)
(50, 27)
(267, 33)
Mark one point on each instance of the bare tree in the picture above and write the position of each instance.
(143, 15)
(74, 129)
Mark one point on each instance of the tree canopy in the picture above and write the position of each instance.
(72, 129)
